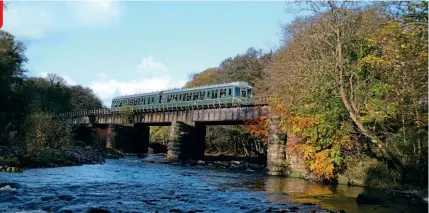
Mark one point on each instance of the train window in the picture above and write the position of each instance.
(144, 100)
(229, 92)
(237, 92)
(202, 95)
(222, 93)
(195, 96)
(189, 98)
(243, 93)
(180, 97)
(249, 93)
(214, 93)
(208, 94)
(148, 100)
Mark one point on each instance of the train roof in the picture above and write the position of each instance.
(238, 83)
(136, 95)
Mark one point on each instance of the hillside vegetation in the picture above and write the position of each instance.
(350, 80)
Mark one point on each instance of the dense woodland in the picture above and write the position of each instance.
(350, 80)
(28, 104)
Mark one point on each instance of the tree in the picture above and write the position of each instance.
(55, 79)
(246, 67)
(83, 98)
(206, 77)
(12, 59)
(328, 73)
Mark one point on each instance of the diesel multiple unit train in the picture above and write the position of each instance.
(229, 94)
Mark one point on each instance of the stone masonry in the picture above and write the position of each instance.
(276, 159)
(185, 142)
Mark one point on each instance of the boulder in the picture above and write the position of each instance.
(366, 198)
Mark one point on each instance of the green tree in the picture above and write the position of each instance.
(12, 59)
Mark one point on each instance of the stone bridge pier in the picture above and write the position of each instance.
(186, 141)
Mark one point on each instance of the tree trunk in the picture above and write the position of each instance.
(374, 139)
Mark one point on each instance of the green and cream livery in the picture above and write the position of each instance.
(218, 95)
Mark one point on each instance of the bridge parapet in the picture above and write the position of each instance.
(229, 114)
(262, 101)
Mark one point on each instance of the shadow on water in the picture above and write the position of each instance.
(332, 197)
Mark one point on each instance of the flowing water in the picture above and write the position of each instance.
(130, 185)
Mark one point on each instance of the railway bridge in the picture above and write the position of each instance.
(187, 128)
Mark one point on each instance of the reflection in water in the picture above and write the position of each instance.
(331, 197)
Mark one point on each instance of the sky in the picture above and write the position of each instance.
(122, 48)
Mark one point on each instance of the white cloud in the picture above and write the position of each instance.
(159, 79)
(106, 87)
(148, 65)
(36, 20)
(110, 88)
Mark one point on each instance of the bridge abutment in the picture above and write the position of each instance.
(276, 153)
(186, 141)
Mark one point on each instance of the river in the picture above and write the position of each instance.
(130, 185)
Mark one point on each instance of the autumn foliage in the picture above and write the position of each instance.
(352, 81)
(258, 127)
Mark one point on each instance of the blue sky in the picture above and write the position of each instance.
(118, 48)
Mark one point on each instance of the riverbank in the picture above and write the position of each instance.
(415, 195)
(14, 160)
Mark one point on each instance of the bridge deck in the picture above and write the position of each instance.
(153, 109)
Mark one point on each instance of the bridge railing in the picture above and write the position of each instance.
(217, 103)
